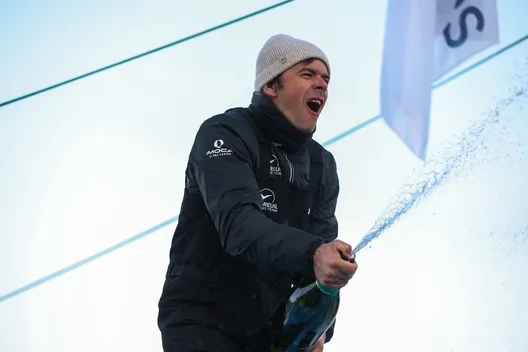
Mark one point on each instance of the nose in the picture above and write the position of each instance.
(321, 83)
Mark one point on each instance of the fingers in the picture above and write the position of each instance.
(338, 273)
(344, 248)
(343, 268)
(319, 345)
(334, 265)
(334, 282)
(333, 279)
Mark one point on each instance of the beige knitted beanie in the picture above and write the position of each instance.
(281, 52)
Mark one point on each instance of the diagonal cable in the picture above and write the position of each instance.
(179, 41)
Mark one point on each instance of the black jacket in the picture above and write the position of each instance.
(250, 221)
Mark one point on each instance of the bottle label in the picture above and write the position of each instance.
(327, 290)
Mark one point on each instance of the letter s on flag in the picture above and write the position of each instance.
(424, 40)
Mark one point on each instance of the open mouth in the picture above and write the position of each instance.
(315, 105)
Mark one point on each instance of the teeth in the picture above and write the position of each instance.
(315, 101)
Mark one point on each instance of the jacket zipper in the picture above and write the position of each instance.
(291, 167)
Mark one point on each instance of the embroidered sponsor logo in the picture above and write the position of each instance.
(268, 200)
(275, 169)
(218, 150)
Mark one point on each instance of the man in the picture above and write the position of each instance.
(258, 212)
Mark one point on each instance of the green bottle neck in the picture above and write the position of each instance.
(327, 290)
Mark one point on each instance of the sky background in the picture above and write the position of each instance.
(96, 162)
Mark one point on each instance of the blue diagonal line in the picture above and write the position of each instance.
(351, 130)
(480, 62)
(193, 36)
(87, 260)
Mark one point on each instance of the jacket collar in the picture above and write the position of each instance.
(275, 125)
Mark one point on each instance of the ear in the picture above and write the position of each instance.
(270, 91)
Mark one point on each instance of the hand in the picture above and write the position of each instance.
(319, 345)
(330, 268)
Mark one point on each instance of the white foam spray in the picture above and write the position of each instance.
(438, 170)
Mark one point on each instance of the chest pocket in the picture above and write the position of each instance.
(282, 201)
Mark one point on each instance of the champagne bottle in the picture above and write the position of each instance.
(310, 312)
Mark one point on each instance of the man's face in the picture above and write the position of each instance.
(301, 93)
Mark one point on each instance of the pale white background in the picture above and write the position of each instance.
(93, 163)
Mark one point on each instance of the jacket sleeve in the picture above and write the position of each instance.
(222, 160)
(323, 221)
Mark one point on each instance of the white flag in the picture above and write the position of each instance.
(425, 39)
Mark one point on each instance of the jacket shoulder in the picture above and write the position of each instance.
(329, 177)
(235, 119)
(326, 157)
(235, 124)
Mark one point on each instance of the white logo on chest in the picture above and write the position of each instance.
(275, 169)
(268, 200)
